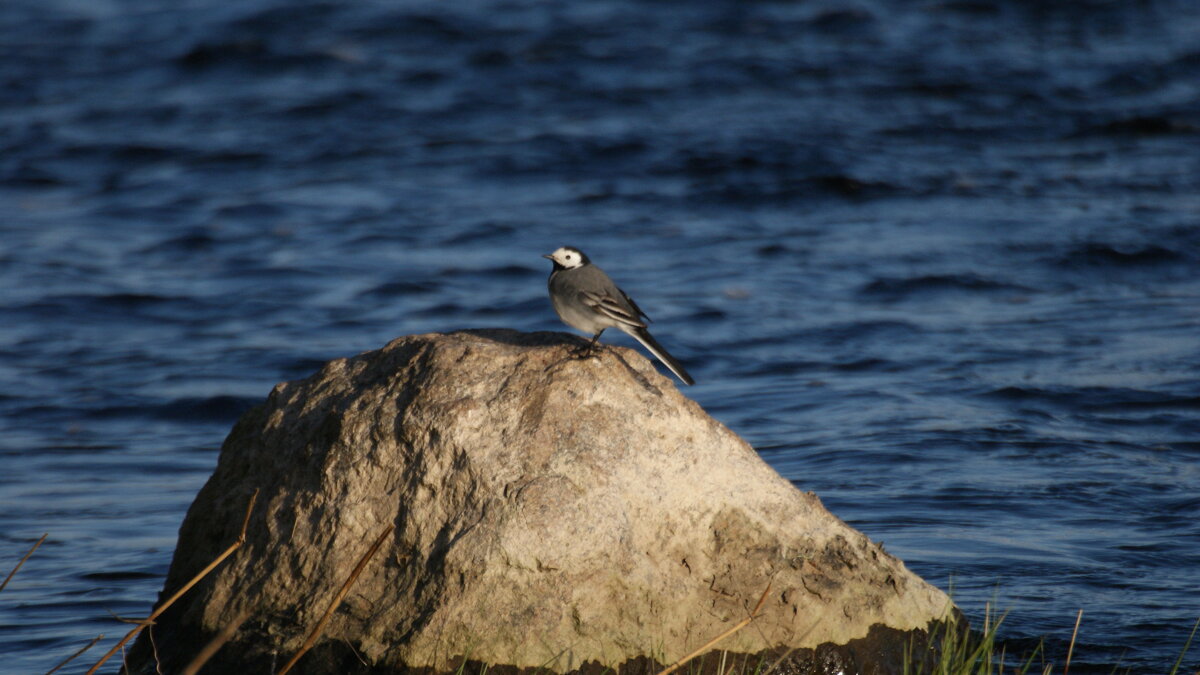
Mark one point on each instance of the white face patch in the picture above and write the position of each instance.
(567, 257)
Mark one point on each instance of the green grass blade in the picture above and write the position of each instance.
(1186, 645)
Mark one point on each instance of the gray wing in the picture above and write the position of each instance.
(602, 295)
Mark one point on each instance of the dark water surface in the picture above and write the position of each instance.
(938, 261)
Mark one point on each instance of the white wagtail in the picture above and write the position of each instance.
(587, 300)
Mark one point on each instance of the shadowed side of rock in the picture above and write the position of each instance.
(882, 651)
(550, 512)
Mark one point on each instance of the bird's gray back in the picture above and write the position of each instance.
(587, 278)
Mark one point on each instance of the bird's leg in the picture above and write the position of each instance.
(589, 350)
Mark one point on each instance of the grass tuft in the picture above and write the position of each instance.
(956, 650)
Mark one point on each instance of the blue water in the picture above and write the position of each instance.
(938, 261)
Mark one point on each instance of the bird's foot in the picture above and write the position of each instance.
(587, 351)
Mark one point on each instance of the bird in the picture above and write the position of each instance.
(586, 299)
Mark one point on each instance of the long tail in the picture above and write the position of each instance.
(643, 336)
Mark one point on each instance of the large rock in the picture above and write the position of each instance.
(550, 512)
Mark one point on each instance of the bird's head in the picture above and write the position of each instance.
(567, 258)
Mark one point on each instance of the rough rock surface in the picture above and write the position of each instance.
(550, 511)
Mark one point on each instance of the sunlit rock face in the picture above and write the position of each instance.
(551, 510)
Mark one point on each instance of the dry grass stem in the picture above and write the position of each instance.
(186, 587)
(76, 654)
(732, 666)
(153, 649)
(215, 644)
(337, 599)
(708, 645)
(1071, 648)
(118, 617)
(22, 562)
